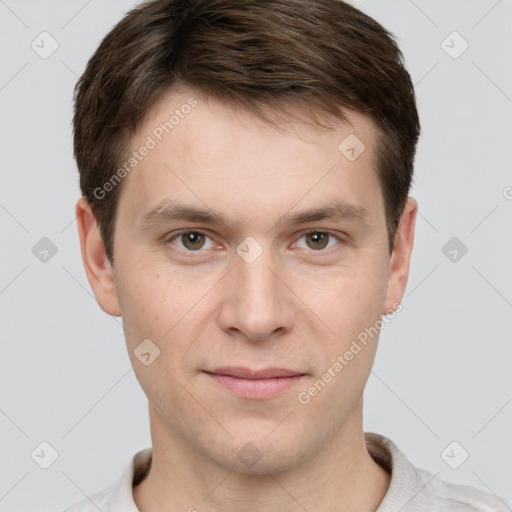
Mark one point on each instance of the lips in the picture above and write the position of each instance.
(255, 384)
(246, 373)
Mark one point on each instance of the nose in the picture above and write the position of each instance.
(256, 300)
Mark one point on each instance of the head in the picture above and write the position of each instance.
(254, 112)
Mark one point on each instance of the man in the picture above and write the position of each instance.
(245, 168)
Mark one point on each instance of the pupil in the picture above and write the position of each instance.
(193, 239)
(319, 239)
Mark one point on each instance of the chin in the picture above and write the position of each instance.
(261, 455)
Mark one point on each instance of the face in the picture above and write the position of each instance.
(239, 248)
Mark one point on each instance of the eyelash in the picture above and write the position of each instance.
(341, 240)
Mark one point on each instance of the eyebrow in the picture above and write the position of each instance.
(167, 212)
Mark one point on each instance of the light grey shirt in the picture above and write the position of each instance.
(411, 489)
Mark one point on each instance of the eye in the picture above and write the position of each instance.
(319, 240)
(192, 241)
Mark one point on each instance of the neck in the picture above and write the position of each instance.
(341, 477)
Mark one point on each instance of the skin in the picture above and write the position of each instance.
(295, 307)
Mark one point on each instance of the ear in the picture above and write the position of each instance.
(97, 266)
(401, 255)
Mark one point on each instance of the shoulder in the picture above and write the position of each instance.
(449, 496)
(98, 502)
(414, 489)
(118, 497)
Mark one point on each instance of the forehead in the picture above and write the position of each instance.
(225, 159)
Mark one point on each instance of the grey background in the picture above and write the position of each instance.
(442, 372)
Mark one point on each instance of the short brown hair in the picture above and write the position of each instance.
(259, 54)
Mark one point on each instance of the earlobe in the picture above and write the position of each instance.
(97, 266)
(400, 257)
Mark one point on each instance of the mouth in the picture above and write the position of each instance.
(255, 384)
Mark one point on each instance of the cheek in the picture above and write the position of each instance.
(154, 308)
(348, 300)
(350, 306)
(162, 306)
(147, 306)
